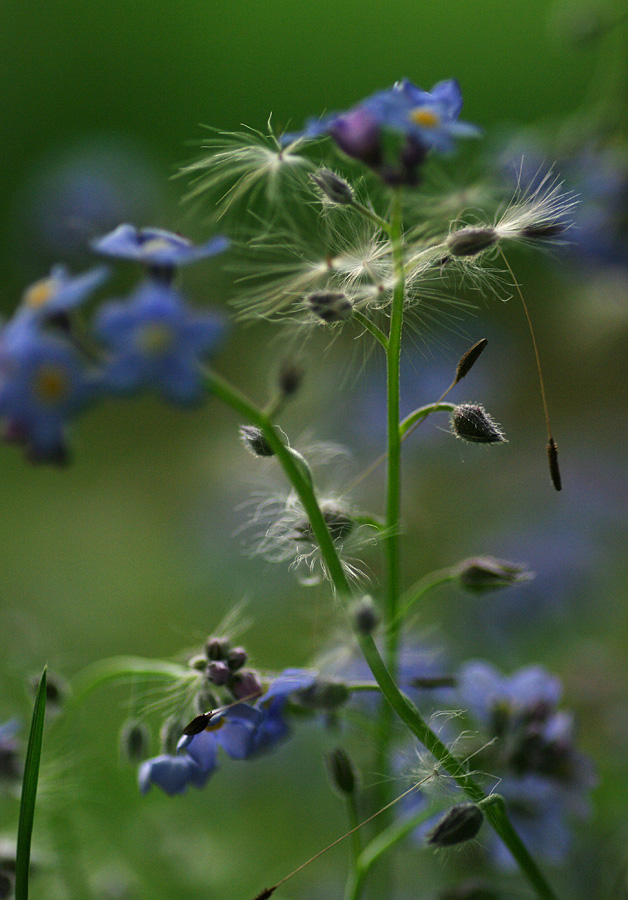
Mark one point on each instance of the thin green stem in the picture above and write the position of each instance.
(372, 216)
(371, 327)
(413, 419)
(421, 587)
(408, 714)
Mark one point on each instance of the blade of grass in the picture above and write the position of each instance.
(29, 792)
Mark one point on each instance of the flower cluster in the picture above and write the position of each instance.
(242, 730)
(51, 370)
(530, 747)
(393, 130)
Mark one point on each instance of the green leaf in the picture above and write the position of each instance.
(29, 792)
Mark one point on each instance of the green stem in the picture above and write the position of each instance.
(371, 327)
(408, 714)
(421, 587)
(382, 224)
(418, 415)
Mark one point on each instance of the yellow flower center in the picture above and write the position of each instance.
(40, 293)
(50, 385)
(155, 339)
(155, 245)
(425, 117)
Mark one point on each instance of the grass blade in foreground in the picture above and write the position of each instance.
(29, 792)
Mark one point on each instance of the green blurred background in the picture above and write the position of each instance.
(132, 548)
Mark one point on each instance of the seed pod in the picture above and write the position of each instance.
(254, 441)
(552, 455)
(472, 423)
(471, 241)
(468, 359)
(459, 824)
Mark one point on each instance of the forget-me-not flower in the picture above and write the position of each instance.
(44, 383)
(161, 251)
(393, 130)
(156, 341)
(58, 294)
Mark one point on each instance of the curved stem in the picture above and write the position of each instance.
(406, 711)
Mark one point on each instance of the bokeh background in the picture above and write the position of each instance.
(132, 549)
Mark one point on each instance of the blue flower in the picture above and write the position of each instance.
(244, 731)
(43, 384)
(173, 773)
(531, 749)
(153, 247)
(58, 294)
(157, 342)
(393, 130)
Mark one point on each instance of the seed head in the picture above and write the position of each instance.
(470, 422)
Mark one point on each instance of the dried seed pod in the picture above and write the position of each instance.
(468, 359)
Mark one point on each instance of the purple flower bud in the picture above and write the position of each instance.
(358, 134)
(246, 685)
(218, 672)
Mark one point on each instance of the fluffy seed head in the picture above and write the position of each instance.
(471, 241)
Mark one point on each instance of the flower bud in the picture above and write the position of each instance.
(245, 685)
(330, 306)
(341, 771)
(237, 658)
(216, 648)
(254, 440)
(134, 740)
(290, 377)
(483, 573)
(471, 241)
(470, 422)
(199, 662)
(334, 188)
(218, 672)
(169, 734)
(365, 615)
(459, 824)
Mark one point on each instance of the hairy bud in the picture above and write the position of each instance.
(134, 740)
(472, 423)
(471, 241)
(330, 306)
(217, 648)
(365, 615)
(341, 771)
(333, 187)
(290, 377)
(459, 824)
(483, 573)
(253, 439)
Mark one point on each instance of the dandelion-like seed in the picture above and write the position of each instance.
(541, 213)
(247, 165)
(284, 534)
